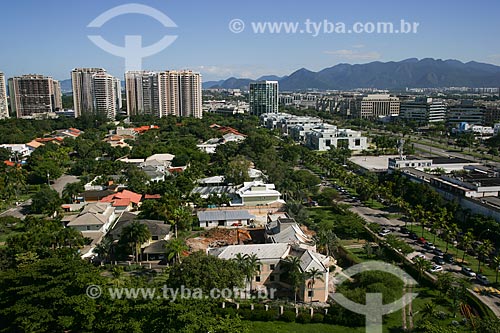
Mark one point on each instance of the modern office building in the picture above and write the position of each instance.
(465, 112)
(380, 105)
(34, 96)
(142, 93)
(263, 97)
(4, 107)
(164, 93)
(95, 91)
(423, 110)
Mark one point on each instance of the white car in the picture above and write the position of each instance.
(469, 272)
(436, 268)
(384, 232)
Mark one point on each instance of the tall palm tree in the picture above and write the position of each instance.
(135, 234)
(484, 251)
(71, 191)
(450, 233)
(174, 249)
(314, 274)
(295, 274)
(496, 262)
(422, 265)
(252, 267)
(466, 242)
(103, 249)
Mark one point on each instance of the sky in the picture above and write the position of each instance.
(50, 37)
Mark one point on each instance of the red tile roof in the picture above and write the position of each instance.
(152, 196)
(121, 202)
(126, 194)
(9, 163)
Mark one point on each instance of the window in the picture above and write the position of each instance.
(272, 266)
(310, 293)
(154, 237)
(271, 278)
(257, 279)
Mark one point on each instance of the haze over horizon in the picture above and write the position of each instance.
(206, 44)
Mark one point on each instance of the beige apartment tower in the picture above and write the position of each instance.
(95, 91)
(164, 93)
(4, 107)
(34, 96)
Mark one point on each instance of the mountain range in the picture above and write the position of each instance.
(413, 73)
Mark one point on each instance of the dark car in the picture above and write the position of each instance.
(438, 260)
(404, 230)
(438, 252)
(448, 258)
(412, 235)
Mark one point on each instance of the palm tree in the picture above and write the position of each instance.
(496, 262)
(135, 234)
(467, 241)
(252, 267)
(450, 233)
(314, 274)
(484, 251)
(174, 249)
(295, 274)
(422, 265)
(103, 249)
(429, 310)
(71, 191)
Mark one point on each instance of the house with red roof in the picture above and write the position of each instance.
(123, 201)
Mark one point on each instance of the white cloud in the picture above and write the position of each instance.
(358, 46)
(354, 55)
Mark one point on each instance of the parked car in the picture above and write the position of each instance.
(449, 258)
(384, 232)
(429, 246)
(468, 272)
(436, 268)
(420, 256)
(439, 260)
(438, 252)
(421, 240)
(482, 279)
(404, 230)
(413, 236)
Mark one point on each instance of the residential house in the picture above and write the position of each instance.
(123, 201)
(287, 230)
(224, 218)
(256, 193)
(273, 266)
(153, 248)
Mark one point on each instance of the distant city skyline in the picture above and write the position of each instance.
(206, 44)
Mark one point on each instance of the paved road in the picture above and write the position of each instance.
(20, 211)
(62, 181)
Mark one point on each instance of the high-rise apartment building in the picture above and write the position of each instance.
(142, 93)
(95, 91)
(164, 93)
(263, 97)
(423, 110)
(34, 95)
(381, 105)
(4, 108)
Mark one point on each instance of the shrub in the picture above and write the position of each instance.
(288, 316)
(317, 318)
(245, 313)
(262, 315)
(303, 318)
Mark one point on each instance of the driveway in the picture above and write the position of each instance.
(62, 181)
